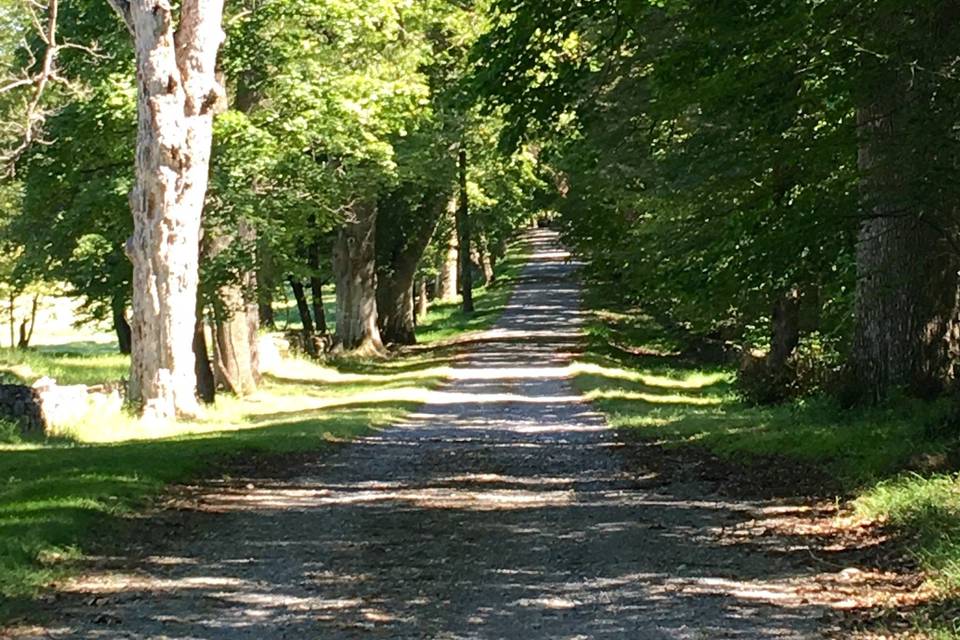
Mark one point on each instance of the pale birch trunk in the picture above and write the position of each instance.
(178, 92)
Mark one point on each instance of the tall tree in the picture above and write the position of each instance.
(463, 234)
(178, 93)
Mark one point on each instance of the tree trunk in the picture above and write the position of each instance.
(906, 299)
(303, 308)
(316, 296)
(398, 326)
(121, 325)
(206, 383)
(785, 330)
(13, 320)
(463, 233)
(447, 276)
(236, 361)
(28, 325)
(355, 270)
(178, 93)
(423, 305)
(316, 290)
(266, 284)
(486, 261)
(402, 244)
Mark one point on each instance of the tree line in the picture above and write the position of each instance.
(187, 162)
(776, 178)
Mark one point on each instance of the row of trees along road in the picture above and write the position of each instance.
(265, 144)
(780, 175)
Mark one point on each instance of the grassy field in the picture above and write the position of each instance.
(895, 463)
(57, 496)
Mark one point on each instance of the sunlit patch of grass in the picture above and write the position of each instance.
(78, 363)
(927, 507)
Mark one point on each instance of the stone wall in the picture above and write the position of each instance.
(22, 404)
(40, 408)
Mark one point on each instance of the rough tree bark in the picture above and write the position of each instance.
(236, 362)
(463, 236)
(178, 92)
(355, 271)
(906, 304)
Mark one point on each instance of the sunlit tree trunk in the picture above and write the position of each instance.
(447, 276)
(355, 270)
(423, 304)
(485, 260)
(178, 93)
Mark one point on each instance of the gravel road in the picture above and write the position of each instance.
(504, 509)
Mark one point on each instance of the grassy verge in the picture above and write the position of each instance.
(895, 463)
(58, 496)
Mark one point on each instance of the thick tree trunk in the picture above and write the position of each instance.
(355, 270)
(906, 303)
(121, 326)
(236, 362)
(463, 236)
(206, 383)
(398, 325)
(178, 93)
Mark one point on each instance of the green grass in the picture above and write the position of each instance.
(896, 463)
(56, 497)
(444, 321)
(77, 363)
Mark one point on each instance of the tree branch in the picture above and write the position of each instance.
(122, 7)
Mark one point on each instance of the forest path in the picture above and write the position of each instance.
(504, 509)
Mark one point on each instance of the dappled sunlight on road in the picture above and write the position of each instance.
(502, 507)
